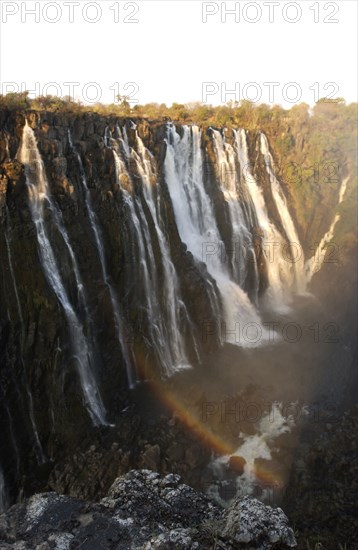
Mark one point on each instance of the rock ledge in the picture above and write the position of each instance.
(143, 511)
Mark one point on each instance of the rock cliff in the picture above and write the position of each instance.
(112, 223)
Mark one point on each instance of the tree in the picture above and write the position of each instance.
(124, 106)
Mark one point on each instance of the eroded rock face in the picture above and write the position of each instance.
(143, 511)
(39, 383)
(324, 485)
(45, 430)
(249, 521)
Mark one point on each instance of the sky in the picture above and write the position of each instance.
(181, 51)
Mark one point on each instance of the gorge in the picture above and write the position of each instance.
(156, 283)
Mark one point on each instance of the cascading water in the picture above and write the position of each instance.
(101, 254)
(39, 199)
(146, 265)
(242, 246)
(173, 304)
(192, 208)
(198, 229)
(123, 136)
(279, 270)
(315, 263)
(297, 257)
(163, 305)
(257, 446)
(7, 151)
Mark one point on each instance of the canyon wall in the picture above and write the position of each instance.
(109, 277)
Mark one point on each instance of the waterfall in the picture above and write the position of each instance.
(163, 305)
(82, 298)
(3, 495)
(198, 229)
(279, 271)
(39, 199)
(315, 263)
(242, 246)
(7, 151)
(123, 138)
(195, 216)
(101, 254)
(297, 257)
(172, 302)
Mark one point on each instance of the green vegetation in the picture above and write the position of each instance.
(313, 148)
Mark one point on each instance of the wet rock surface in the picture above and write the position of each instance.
(143, 511)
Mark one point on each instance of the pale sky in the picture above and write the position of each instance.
(170, 52)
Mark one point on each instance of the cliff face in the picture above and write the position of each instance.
(123, 284)
(40, 385)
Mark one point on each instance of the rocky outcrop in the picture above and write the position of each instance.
(139, 441)
(248, 522)
(144, 511)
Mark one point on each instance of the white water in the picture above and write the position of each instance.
(315, 263)
(57, 214)
(146, 266)
(7, 147)
(286, 220)
(39, 198)
(255, 446)
(259, 445)
(100, 250)
(164, 317)
(280, 273)
(198, 229)
(123, 137)
(170, 291)
(241, 240)
(192, 208)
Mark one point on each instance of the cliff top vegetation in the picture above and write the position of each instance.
(314, 148)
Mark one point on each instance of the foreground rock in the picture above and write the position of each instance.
(143, 511)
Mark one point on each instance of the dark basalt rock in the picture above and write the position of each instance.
(34, 341)
(251, 524)
(143, 511)
(39, 386)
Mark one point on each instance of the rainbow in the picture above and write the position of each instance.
(264, 475)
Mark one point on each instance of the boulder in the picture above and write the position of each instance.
(143, 511)
(252, 524)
